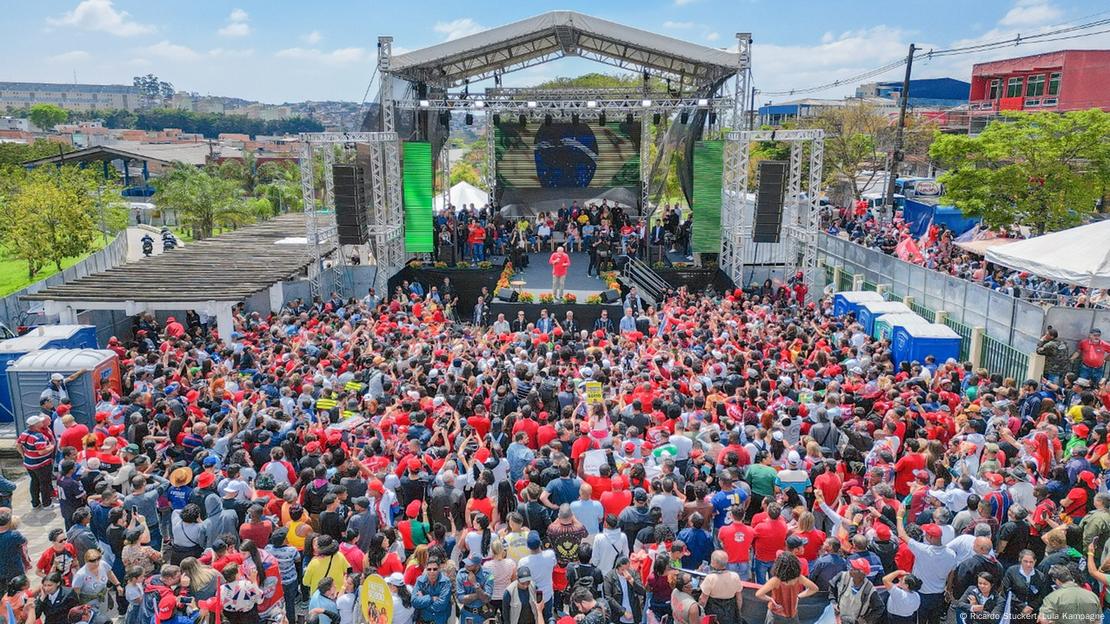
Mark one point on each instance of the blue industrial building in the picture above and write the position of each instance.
(924, 92)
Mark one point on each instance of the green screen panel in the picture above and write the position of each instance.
(708, 167)
(418, 177)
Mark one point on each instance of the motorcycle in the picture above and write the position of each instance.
(148, 246)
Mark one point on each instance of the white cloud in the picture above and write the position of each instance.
(339, 56)
(1031, 13)
(73, 56)
(100, 15)
(230, 52)
(459, 28)
(312, 38)
(712, 36)
(678, 25)
(172, 51)
(238, 24)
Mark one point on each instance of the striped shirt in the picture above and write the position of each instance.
(37, 447)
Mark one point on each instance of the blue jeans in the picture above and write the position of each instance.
(291, 590)
(744, 569)
(760, 569)
(476, 252)
(1092, 373)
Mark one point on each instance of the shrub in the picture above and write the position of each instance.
(570, 298)
(440, 265)
(594, 299)
(527, 297)
(485, 264)
(462, 265)
(547, 298)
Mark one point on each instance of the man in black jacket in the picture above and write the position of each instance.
(624, 594)
(54, 600)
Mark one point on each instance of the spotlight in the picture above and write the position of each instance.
(645, 103)
(703, 102)
(684, 117)
(655, 118)
(591, 104)
(532, 104)
(574, 118)
(444, 118)
(523, 120)
(479, 104)
(497, 119)
(628, 119)
(425, 103)
(547, 120)
(469, 119)
(601, 118)
(712, 118)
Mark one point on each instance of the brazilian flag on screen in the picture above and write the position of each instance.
(418, 175)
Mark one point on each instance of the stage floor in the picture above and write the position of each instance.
(537, 277)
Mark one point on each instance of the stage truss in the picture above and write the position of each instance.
(800, 208)
(384, 205)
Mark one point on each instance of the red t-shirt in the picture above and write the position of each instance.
(903, 472)
(259, 533)
(1093, 353)
(1078, 507)
(770, 538)
(390, 563)
(814, 541)
(545, 434)
(615, 502)
(600, 485)
(481, 424)
(559, 262)
(830, 484)
(736, 540)
(530, 427)
(73, 436)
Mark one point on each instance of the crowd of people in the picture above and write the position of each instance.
(472, 234)
(631, 473)
(937, 250)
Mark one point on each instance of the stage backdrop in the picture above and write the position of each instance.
(567, 161)
(417, 178)
(708, 166)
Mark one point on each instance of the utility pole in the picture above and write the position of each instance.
(896, 154)
(751, 110)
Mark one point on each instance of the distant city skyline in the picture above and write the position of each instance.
(281, 51)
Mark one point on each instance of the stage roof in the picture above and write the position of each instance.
(563, 33)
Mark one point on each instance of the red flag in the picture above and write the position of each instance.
(908, 251)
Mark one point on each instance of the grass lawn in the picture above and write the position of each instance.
(13, 272)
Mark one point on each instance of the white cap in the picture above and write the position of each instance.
(35, 420)
(396, 579)
(56, 377)
(777, 435)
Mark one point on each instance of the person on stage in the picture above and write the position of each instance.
(559, 262)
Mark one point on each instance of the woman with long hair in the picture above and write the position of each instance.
(204, 580)
(414, 567)
(506, 502)
(785, 587)
(480, 503)
(502, 569)
(659, 587)
(477, 539)
(403, 611)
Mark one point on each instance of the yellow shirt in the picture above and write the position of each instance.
(335, 566)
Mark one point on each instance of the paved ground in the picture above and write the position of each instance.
(135, 241)
(537, 276)
(33, 523)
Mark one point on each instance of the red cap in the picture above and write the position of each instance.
(862, 565)
(1081, 430)
(413, 509)
(932, 530)
(1088, 477)
(882, 532)
(629, 447)
(481, 455)
(855, 491)
(312, 447)
(995, 479)
(696, 453)
(414, 464)
(376, 486)
(206, 479)
(62, 409)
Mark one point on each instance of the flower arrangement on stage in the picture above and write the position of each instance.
(608, 276)
(569, 298)
(506, 276)
(547, 298)
(614, 285)
(659, 265)
(440, 265)
(593, 299)
(462, 265)
(527, 297)
(485, 264)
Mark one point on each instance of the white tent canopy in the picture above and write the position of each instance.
(1079, 256)
(463, 193)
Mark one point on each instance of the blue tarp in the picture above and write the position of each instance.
(919, 215)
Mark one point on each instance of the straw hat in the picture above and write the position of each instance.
(181, 476)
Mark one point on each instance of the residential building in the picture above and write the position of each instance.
(17, 124)
(1059, 81)
(924, 92)
(75, 97)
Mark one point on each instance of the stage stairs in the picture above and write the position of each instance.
(645, 279)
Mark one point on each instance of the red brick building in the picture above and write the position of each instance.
(1055, 81)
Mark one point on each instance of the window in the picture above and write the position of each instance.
(1034, 87)
(1054, 84)
(996, 88)
(1013, 87)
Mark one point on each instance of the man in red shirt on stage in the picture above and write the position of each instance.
(559, 262)
(1092, 354)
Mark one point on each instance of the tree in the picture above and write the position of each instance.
(50, 214)
(856, 136)
(19, 153)
(152, 90)
(1044, 170)
(462, 171)
(46, 116)
(201, 200)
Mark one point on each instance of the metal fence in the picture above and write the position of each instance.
(965, 335)
(870, 286)
(1014, 322)
(999, 357)
(923, 312)
(14, 312)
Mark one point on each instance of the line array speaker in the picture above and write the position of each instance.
(767, 227)
(350, 209)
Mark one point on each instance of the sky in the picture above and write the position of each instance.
(284, 51)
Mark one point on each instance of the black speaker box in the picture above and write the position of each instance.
(508, 294)
(611, 296)
(767, 226)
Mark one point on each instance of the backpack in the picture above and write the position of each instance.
(148, 608)
(547, 389)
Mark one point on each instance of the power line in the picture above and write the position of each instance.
(1018, 40)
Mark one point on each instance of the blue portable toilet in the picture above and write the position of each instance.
(39, 338)
(885, 324)
(868, 311)
(914, 342)
(849, 300)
